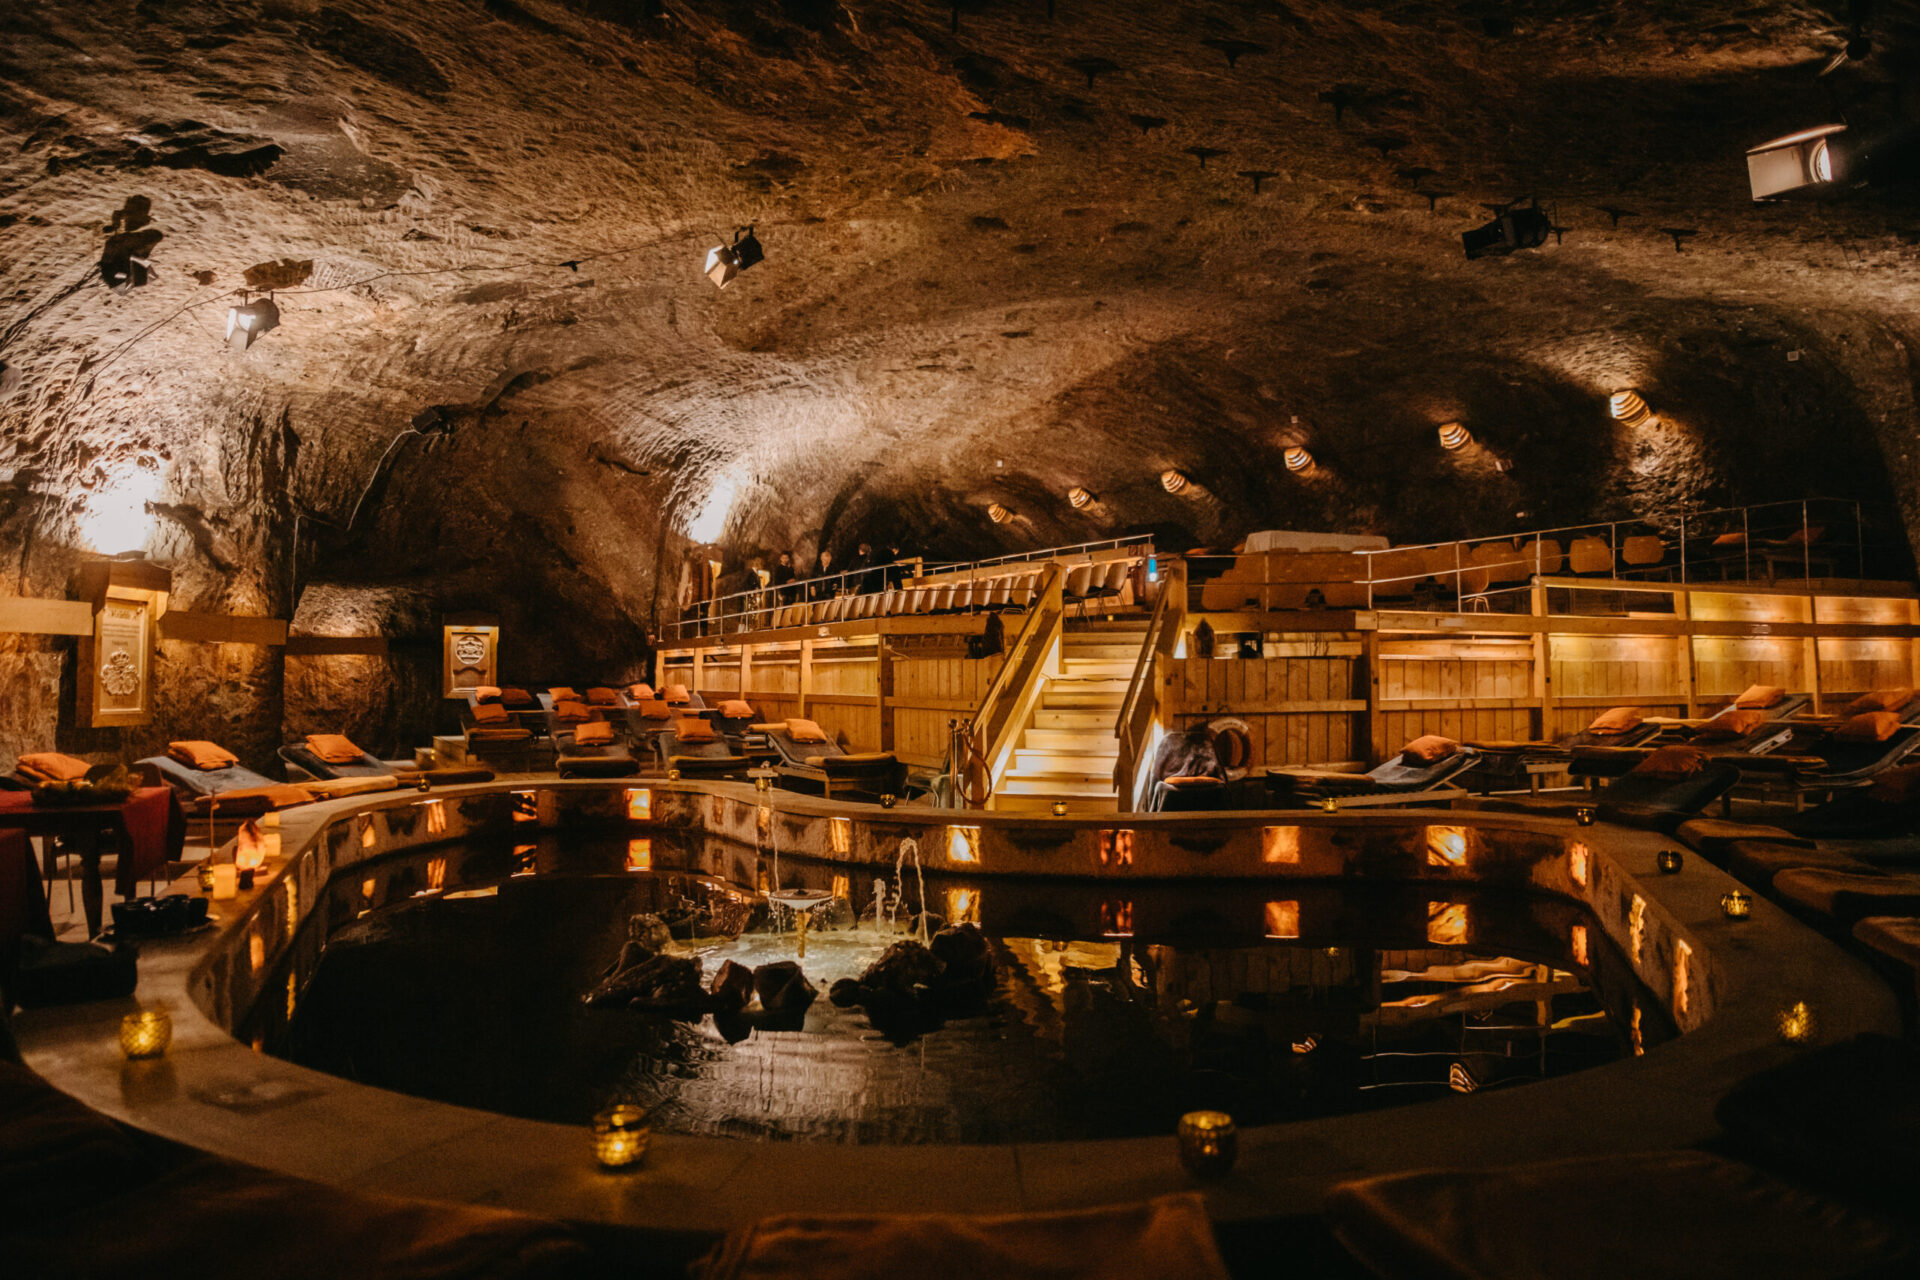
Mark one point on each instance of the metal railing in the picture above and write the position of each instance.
(1015, 687)
(1047, 553)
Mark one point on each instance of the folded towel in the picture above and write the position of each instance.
(593, 734)
(677, 693)
(490, 713)
(805, 731)
(52, 766)
(510, 697)
(1758, 697)
(655, 709)
(1428, 749)
(1881, 700)
(1618, 720)
(196, 754)
(600, 696)
(688, 729)
(487, 693)
(1672, 763)
(642, 692)
(1869, 726)
(562, 693)
(571, 711)
(333, 748)
(736, 709)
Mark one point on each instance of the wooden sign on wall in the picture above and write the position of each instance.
(115, 684)
(469, 656)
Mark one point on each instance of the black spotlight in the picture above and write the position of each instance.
(1513, 227)
(724, 262)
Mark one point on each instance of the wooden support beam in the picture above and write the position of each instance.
(1542, 667)
(31, 615)
(213, 628)
(323, 646)
(806, 674)
(884, 657)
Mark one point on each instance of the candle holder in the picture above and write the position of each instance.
(1669, 861)
(206, 875)
(888, 800)
(1584, 815)
(1795, 1023)
(423, 783)
(621, 1136)
(763, 780)
(673, 775)
(1208, 1143)
(1735, 904)
(226, 881)
(1059, 808)
(146, 1034)
(1329, 805)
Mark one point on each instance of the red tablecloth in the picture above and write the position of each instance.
(150, 826)
(23, 904)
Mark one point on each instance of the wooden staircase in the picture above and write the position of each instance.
(1068, 750)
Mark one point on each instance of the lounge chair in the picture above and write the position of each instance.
(506, 742)
(1660, 802)
(1722, 736)
(1409, 777)
(194, 785)
(576, 759)
(685, 749)
(1509, 765)
(1843, 758)
(302, 757)
(825, 766)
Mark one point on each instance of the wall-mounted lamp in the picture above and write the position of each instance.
(997, 513)
(1173, 481)
(1299, 460)
(250, 321)
(1454, 436)
(1078, 498)
(1630, 409)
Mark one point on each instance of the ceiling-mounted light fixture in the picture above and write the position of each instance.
(1454, 436)
(248, 321)
(997, 513)
(1173, 481)
(1078, 498)
(1810, 158)
(1631, 410)
(724, 262)
(1299, 460)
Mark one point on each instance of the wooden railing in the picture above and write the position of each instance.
(1010, 698)
(1142, 706)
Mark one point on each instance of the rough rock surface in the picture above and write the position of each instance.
(1011, 247)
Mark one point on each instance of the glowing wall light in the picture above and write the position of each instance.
(1639, 1044)
(1283, 919)
(436, 816)
(526, 806)
(368, 888)
(640, 803)
(113, 518)
(998, 514)
(1116, 848)
(257, 952)
(1116, 918)
(1280, 844)
(963, 844)
(963, 906)
(640, 854)
(842, 887)
(293, 904)
(840, 834)
(1173, 481)
(1453, 435)
(1446, 846)
(1299, 460)
(1447, 924)
(1578, 939)
(1681, 954)
(1631, 410)
(1636, 927)
(1577, 863)
(367, 837)
(524, 857)
(1078, 498)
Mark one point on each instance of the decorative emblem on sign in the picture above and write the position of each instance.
(119, 674)
(470, 650)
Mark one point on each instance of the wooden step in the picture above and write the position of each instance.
(1029, 764)
(1078, 668)
(1091, 740)
(1075, 720)
(1071, 697)
(1100, 650)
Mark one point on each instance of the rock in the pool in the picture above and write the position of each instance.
(663, 982)
(902, 971)
(967, 961)
(650, 931)
(732, 986)
(845, 993)
(782, 986)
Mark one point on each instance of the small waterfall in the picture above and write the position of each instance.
(909, 845)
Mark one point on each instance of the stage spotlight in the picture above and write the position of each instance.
(1299, 460)
(1513, 227)
(724, 262)
(1809, 158)
(1454, 436)
(1631, 410)
(248, 321)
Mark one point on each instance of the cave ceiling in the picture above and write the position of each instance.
(1011, 246)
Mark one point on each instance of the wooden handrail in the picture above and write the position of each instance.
(1011, 692)
(1139, 710)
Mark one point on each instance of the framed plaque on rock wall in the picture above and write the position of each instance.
(115, 678)
(469, 656)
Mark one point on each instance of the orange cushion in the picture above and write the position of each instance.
(562, 693)
(1869, 726)
(571, 712)
(1618, 720)
(1759, 697)
(1880, 700)
(654, 709)
(736, 709)
(1672, 762)
(490, 713)
(1897, 786)
(805, 731)
(1731, 724)
(592, 734)
(198, 754)
(516, 698)
(333, 748)
(1428, 749)
(486, 693)
(52, 766)
(1195, 780)
(677, 693)
(601, 696)
(641, 692)
(691, 729)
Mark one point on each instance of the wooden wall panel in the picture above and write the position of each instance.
(1725, 665)
(1857, 666)
(1299, 710)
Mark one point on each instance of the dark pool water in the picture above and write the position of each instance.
(1109, 1016)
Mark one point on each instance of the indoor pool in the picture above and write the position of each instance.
(459, 975)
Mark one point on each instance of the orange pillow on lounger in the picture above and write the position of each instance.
(562, 693)
(677, 693)
(736, 709)
(52, 766)
(805, 731)
(490, 713)
(1672, 763)
(654, 709)
(571, 712)
(642, 692)
(594, 733)
(601, 696)
(333, 748)
(1428, 749)
(1880, 700)
(196, 754)
(1618, 720)
(1869, 726)
(515, 698)
(486, 693)
(1759, 697)
(1731, 724)
(689, 729)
